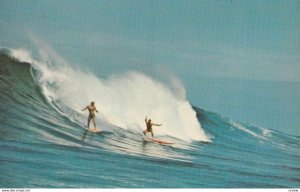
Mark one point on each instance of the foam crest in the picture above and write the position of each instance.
(22, 55)
(241, 127)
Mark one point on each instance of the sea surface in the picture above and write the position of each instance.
(44, 142)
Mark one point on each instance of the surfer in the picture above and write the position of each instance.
(92, 116)
(149, 126)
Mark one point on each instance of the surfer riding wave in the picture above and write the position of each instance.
(149, 126)
(92, 109)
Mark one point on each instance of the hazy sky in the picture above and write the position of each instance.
(237, 39)
(196, 40)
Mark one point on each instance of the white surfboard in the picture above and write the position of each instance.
(94, 130)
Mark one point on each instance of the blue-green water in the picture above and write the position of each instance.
(44, 143)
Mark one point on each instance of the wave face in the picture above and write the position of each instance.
(44, 143)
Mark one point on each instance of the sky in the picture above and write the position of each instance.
(237, 58)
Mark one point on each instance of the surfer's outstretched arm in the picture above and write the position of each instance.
(156, 124)
(84, 108)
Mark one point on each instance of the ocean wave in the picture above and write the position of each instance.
(41, 121)
(123, 100)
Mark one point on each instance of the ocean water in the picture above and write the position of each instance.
(44, 143)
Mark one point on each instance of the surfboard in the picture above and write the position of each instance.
(95, 130)
(159, 141)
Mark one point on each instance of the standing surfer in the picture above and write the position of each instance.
(92, 116)
(149, 126)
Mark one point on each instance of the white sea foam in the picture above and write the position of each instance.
(241, 127)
